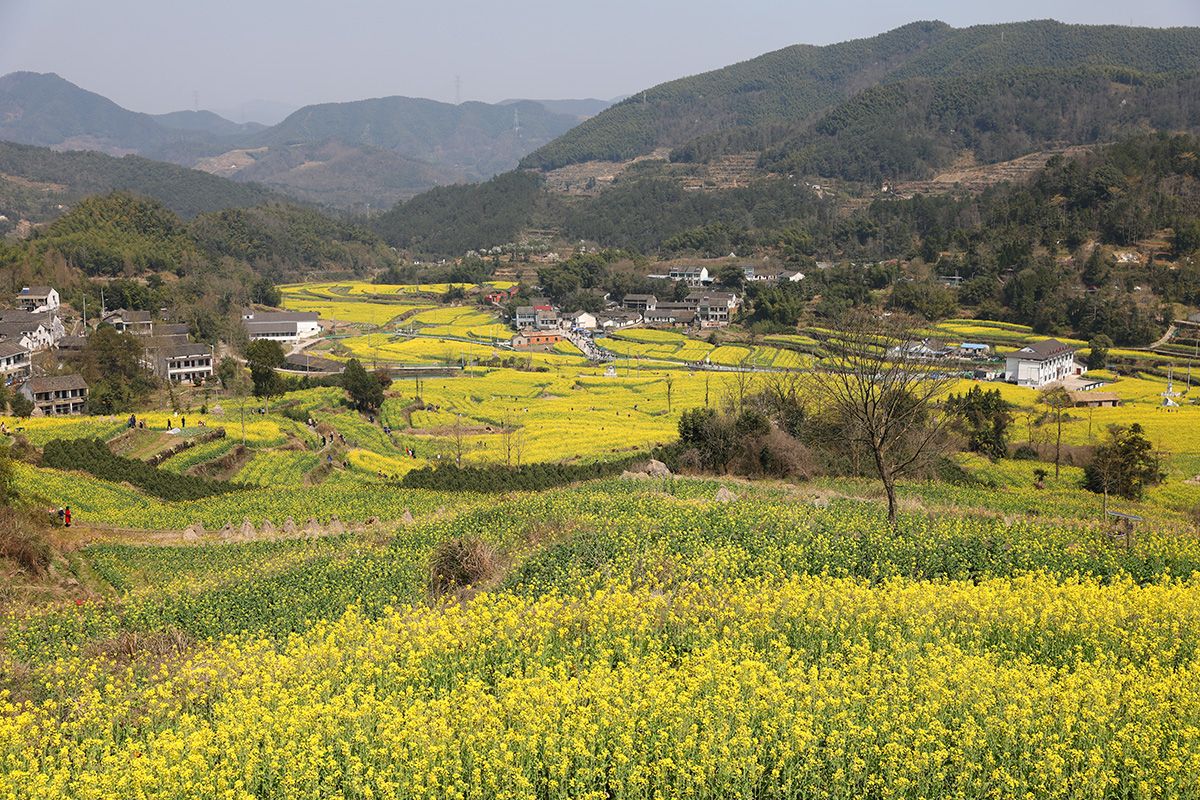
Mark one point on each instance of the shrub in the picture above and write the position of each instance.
(94, 457)
(460, 563)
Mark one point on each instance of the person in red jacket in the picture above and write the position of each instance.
(67, 516)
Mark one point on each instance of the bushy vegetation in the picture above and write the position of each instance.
(94, 457)
(501, 478)
(454, 219)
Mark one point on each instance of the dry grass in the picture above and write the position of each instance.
(461, 564)
(23, 541)
(130, 646)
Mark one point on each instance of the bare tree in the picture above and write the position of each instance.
(457, 434)
(507, 439)
(519, 445)
(884, 396)
(1058, 400)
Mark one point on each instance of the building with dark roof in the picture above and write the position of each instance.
(281, 326)
(38, 299)
(57, 395)
(15, 362)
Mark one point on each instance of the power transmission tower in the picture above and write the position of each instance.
(458, 90)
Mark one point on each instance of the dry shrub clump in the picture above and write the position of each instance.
(462, 563)
(130, 646)
(23, 541)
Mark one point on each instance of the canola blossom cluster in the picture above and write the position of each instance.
(805, 686)
(643, 641)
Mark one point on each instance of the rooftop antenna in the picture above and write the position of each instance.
(458, 90)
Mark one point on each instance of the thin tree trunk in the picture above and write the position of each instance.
(1058, 446)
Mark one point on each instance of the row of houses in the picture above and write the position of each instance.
(700, 308)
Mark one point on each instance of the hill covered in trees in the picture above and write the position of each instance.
(760, 103)
(36, 182)
(204, 269)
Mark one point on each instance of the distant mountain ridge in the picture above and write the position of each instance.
(354, 154)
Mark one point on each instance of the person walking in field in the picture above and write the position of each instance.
(67, 516)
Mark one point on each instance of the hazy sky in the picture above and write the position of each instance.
(152, 55)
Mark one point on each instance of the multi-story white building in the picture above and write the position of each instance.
(188, 361)
(1041, 363)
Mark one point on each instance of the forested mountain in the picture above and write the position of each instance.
(361, 154)
(36, 183)
(46, 110)
(482, 139)
(912, 128)
(205, 122)
(580, 109)
(758, 103)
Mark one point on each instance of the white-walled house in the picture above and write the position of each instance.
(281, 326)
(38, 299)
(15, 362)
(1041, 363)
(692, 276)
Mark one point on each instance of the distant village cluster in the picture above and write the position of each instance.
(35, 324)
(541, 325)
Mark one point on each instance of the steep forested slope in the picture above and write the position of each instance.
(36, 182)
(755, 104)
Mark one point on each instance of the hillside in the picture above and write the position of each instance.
(755, 103)
(46, 110)
(35, 183)
(205, 122)
(361, 154)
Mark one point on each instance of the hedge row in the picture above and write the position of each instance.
(94, 457)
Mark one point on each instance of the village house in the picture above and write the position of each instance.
(499, 296)
(616, 319)
(760, 274)
(1095, 399)
(189, 362)
(526, 317)
(42, 331)
(1041, 363)
(582, 320)
(56, 395)
(712, 308)
(38, 299)
(671, 314)
(15, 362)
(692, 276)
(281, 326)
(974, 350)
(926, 349)
(546, 319)
(640, 302)
(138, 323)
(533, 340)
